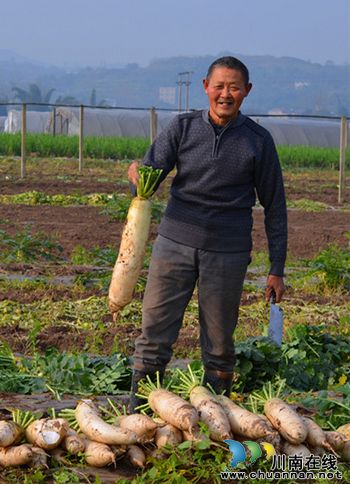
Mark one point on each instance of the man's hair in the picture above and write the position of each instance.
(231, 63)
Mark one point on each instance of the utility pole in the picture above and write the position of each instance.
(184, 79)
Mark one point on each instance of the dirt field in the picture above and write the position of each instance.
(309, 232)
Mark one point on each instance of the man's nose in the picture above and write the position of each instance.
(225, 91)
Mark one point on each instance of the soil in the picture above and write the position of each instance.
(309, 232)
(87, 226)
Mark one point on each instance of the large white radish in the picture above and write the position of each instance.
(345, 452)
(39, 458)
(131, 255)
(47, 433)
(173, 409)
(285, 420)
(136, 456)
(292, 449)
(96, 429)
(143, 426)
(336, 439)
(73, 443)
(167, 435)
(211, 413)
(98, 454)
(316, 437)
(16, 455)
(10, 433)
(243, 422)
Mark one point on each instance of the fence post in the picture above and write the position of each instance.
(23, 140)
(342, 157)
(81, 137)
(54, 121)
(153, 124)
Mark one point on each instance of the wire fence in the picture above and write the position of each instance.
(153, 129)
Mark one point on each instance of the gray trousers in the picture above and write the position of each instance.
(174, 271)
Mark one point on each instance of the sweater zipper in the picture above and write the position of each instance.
(217, 138)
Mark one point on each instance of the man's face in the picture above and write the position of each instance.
(226, 91)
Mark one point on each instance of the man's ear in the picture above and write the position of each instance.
(205, 85)
(248, 88)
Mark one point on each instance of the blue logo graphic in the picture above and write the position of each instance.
(239, 453)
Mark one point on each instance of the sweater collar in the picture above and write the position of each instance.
(237, 121)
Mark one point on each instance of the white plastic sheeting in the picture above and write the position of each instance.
(2, 123)
(37, 121)
(136, 123)
(109, 122)
(302, 131)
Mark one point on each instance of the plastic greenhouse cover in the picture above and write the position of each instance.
(136, 123)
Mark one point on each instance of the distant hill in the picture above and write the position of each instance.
(280, 84)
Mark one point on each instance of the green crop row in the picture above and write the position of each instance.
(310, 157)
(68, 146)
(130, 148)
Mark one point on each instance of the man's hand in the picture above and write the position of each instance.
(133, 172)
(275, 285)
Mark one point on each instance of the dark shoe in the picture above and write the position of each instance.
(220, 381)
(137, 376)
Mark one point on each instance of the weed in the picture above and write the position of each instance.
(332, 267)
(26, 246)
(307, 205)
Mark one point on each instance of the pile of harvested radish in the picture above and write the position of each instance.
(104, 435)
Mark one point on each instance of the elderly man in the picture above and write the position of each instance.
(222, 160)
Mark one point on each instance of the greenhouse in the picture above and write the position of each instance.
(136, 123)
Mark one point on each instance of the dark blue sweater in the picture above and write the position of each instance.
(216, 182)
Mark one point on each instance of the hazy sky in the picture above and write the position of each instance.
(97, 32)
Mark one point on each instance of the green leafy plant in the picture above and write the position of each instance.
(61, 372)
(332, 267)
(98, 256)
(312, 357)
(257, 361)
(27, 246)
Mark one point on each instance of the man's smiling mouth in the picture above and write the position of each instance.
(228, 103)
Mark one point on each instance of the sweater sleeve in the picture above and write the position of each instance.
(270, 191)
(163, 151)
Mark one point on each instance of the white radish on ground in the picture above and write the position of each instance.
(39, 458)
(316, 437)
(143, 426)
(47, 433)
(344, 454)
(167, 435)
(96, 429)
(98, 454)
(336, 439)
(10, 433)
(211, 413)
(173, 409)
(292, 449)
(243, 422)
(285, 420)
(17, 455)
(136, 456)
(73, 443)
